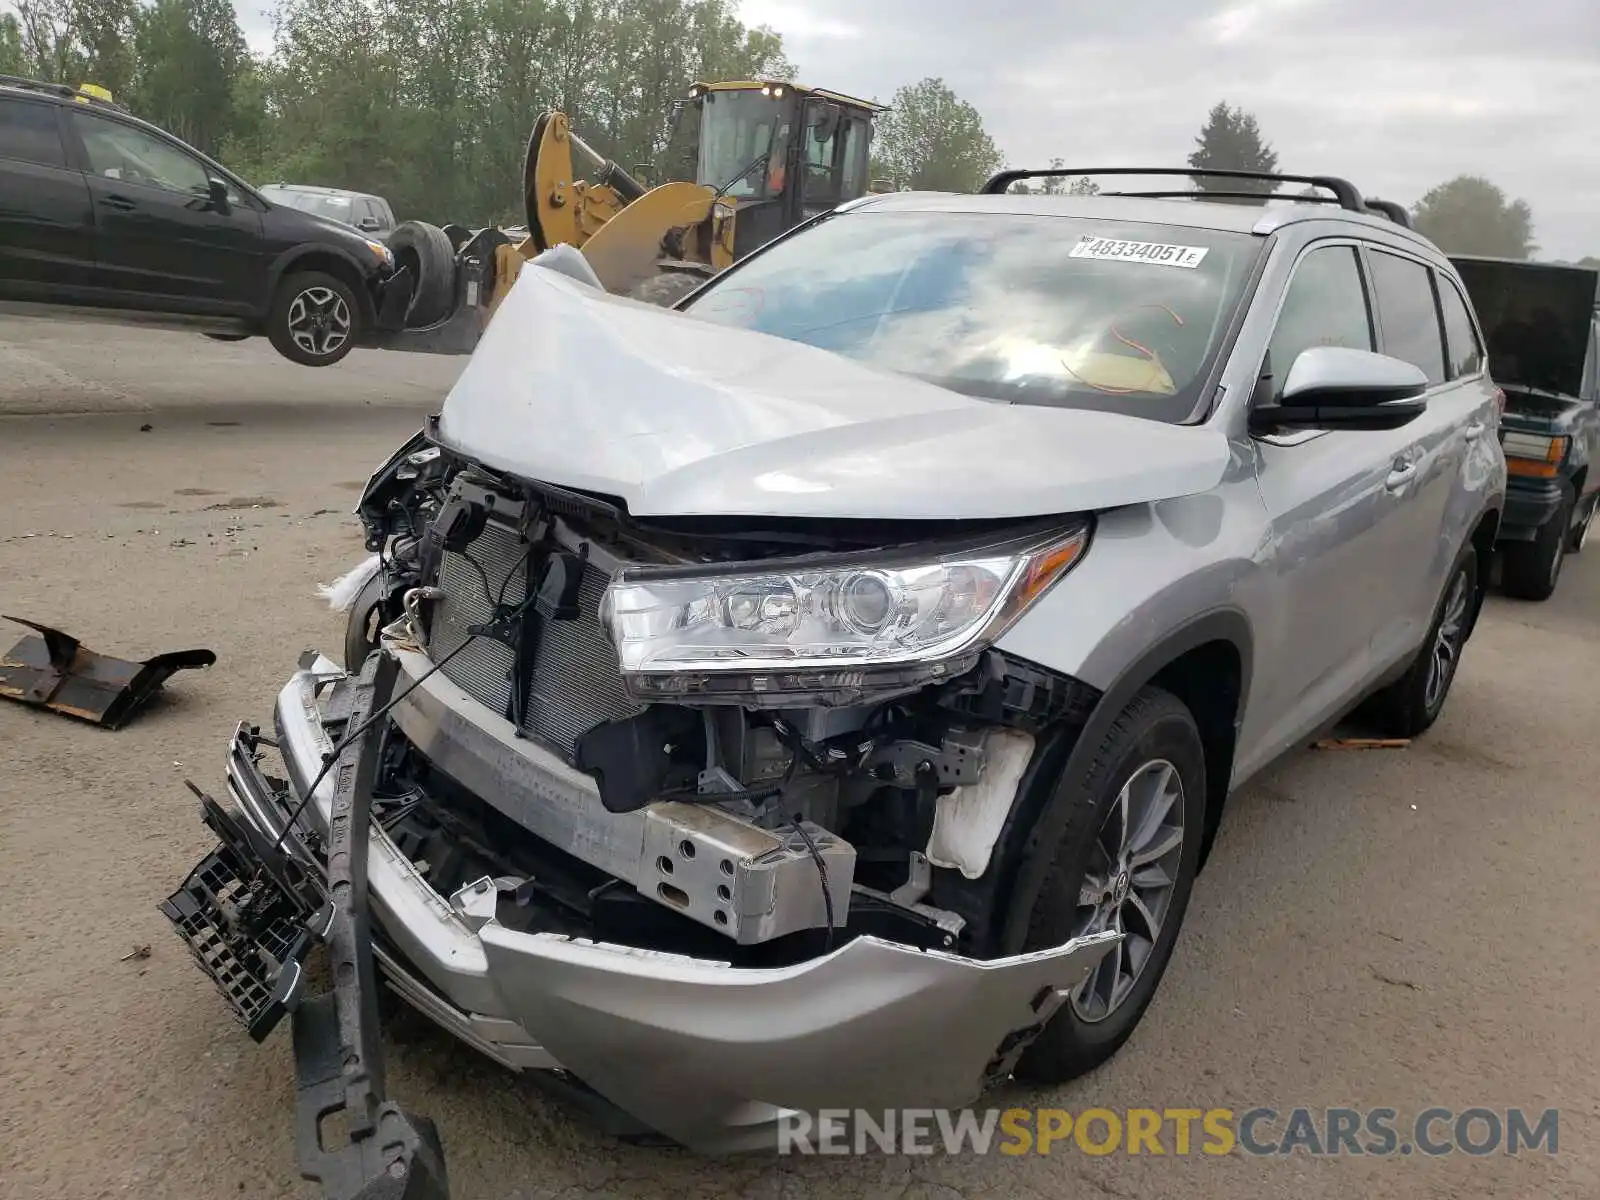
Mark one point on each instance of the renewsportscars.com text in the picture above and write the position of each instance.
(1180, 1132)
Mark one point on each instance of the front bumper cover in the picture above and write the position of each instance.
(708, 1054)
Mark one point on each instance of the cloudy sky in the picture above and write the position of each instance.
(1397, 95)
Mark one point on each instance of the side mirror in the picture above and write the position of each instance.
(218, 193)
(1333, 387)
(369, 224)
(825, 118)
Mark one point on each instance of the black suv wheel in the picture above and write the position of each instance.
(315, 318)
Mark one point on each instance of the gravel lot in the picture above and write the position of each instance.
(1396, 928)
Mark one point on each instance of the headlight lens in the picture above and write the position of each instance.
(819, 616)
(383, 252)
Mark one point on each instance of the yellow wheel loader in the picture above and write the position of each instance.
(760, 158)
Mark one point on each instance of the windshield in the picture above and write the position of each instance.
(337, 207)
(741, 129)
(1021, 309)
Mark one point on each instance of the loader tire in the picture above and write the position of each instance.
(426, 249)
(667, 288)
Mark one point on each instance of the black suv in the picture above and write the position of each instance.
(100, 210)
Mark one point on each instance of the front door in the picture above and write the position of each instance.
(159, 238)
(46, 220)
(1329, 502)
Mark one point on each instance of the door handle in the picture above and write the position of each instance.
(1474, 431)
(120, 203)
(1400, 474)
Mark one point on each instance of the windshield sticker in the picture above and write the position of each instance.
(1147, 252)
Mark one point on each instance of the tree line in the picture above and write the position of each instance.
(430, 102)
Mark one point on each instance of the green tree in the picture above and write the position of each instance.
(1470, 215)
(49, 44)
(188, 55)
(931, 140)
(1590, 261)
(12, 60)
(1230, 140)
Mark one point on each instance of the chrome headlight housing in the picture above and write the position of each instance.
(840, 625)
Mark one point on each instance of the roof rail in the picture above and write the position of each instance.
(1343, 190)
(82, 94)
(1390, 209)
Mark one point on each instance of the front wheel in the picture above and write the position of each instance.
(1126, 860)
(315, 319)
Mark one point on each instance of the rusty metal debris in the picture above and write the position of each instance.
(51, 669)
(1361, 744)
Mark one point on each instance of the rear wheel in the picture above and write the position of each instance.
(315, 319)
(1410, 705)
(1126, 860)
(1531, 570)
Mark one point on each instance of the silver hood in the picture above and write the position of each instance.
(681, 417)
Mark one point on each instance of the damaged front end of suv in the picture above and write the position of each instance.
(674, 752)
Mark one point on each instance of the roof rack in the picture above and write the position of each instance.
(1345, 193)
(66, 91)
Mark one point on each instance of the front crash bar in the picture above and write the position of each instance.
(381, 1153)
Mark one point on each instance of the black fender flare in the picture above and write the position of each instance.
(1062, 760)
(288, 259)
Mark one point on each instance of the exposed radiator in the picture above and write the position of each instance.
(576, 683)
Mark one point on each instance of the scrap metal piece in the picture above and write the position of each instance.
(381, 1152)
(54, 670)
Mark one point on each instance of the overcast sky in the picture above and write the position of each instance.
(1397, 95)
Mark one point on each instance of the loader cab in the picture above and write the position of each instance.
(782, 152)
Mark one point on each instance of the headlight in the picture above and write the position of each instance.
(818, 625)
(385, 255)
(1533, 454)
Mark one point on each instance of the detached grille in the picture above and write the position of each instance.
(575, 682)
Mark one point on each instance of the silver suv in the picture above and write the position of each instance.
(824, 696)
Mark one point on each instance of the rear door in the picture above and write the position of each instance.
(46, 217)
(1430, 512)
(1331, 513)
(159, 240)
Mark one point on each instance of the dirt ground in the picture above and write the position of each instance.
(1384, 928)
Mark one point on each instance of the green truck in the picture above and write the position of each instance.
(1541, 324)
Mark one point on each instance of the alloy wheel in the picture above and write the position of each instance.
(319, 321)
(1445, 653)
(1128, 883)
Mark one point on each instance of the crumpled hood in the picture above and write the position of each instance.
(681, 417)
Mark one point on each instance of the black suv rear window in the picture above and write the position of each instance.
(1016, 308)
(29, 133)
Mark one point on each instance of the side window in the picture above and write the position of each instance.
(854, 182)
(28, 133)
(1326, 305)
(122, 152)
(1464, 352)
(1408, 312)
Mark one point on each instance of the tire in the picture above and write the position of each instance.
(667, 288)
(1154, 741)
(315, 319)
(367, 616)
(1580, 532)
(426, 249)
(1410, 705)
(1531, 570)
